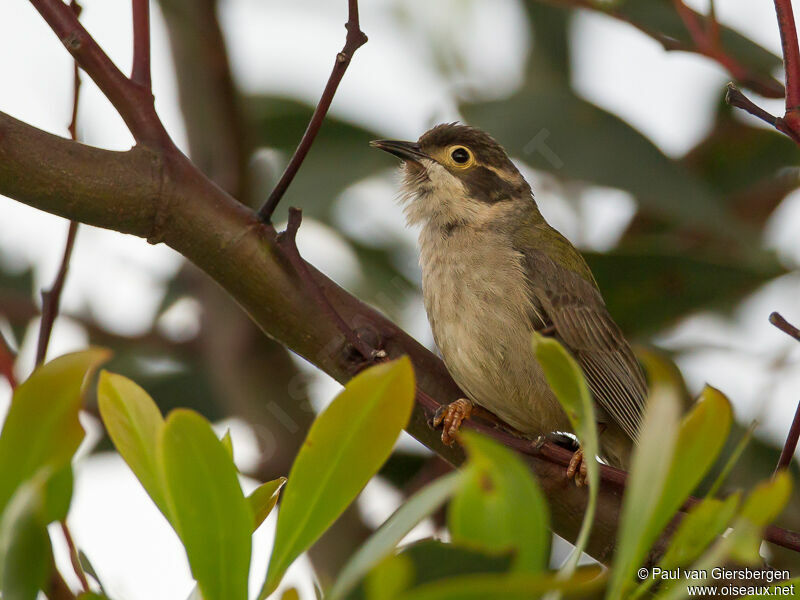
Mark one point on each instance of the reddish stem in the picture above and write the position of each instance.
(790, 445)
(791, 53)
(7, 359)
(73, 556)
(140, 73)
(287, 241)
(354, 40)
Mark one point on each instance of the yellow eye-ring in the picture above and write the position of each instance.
(460, 157)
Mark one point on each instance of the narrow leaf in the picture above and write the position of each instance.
(263, 499)
(648, 474)
(25, 553)
(345, 447)
(207, 506)
(507, 586)
(566, 379)
(701, 526)
(42, 427)
(134, 423)
(421, 505)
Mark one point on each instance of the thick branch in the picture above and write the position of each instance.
(233, 246)
(354, 40)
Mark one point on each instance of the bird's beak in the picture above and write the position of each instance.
(405, 150)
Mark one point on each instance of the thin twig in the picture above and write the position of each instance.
(133, 102)
(790, 445)
(73, 557)
(736, 98)
(7, 359)
(777, 319)
(354, 40)
(707, 40)
(51, 299)
(789, 123)
(140, 73)
(287, 241)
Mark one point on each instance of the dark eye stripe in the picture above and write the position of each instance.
(485, 185)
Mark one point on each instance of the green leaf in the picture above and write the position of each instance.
(648, 474)
(691, 454)
(88, 568)
(42, 427)
(566, 379)
(500, 508)
(135, 424)
(762, 506)
(701, 437)
(381, 543)
(389, 578)
(701, 526)
(511, 586)
(263, 499)
(57, 494)
(25, 554)
(228, 442)
(434, 560)
(206, 504)
(346, 445)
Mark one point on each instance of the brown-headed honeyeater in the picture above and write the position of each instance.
(494, 271)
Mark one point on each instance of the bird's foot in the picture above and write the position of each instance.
(577, 469)
(450, 417)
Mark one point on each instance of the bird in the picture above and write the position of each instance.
(493, 273)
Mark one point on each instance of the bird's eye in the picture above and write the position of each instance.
(460, 155)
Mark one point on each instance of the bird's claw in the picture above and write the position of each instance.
(577, 469)
(450, 417)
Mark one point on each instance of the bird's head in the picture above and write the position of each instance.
(458, 175)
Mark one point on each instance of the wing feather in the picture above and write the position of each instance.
(574, 307)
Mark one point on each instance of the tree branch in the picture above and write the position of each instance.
(140, 72)
(789, 124)
(790, 445)
(51, 299)
(231, 244)
(354, 40)
(791, 53)
(133, 102)
(7, 359)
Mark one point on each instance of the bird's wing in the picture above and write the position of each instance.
(572, 304)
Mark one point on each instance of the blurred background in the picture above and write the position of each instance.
(686, 210)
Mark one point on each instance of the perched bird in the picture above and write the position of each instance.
(493, 272)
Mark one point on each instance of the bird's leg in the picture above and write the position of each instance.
(450, 417)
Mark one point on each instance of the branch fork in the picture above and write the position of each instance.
(789, 123)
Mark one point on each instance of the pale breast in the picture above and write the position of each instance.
(480, 313)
